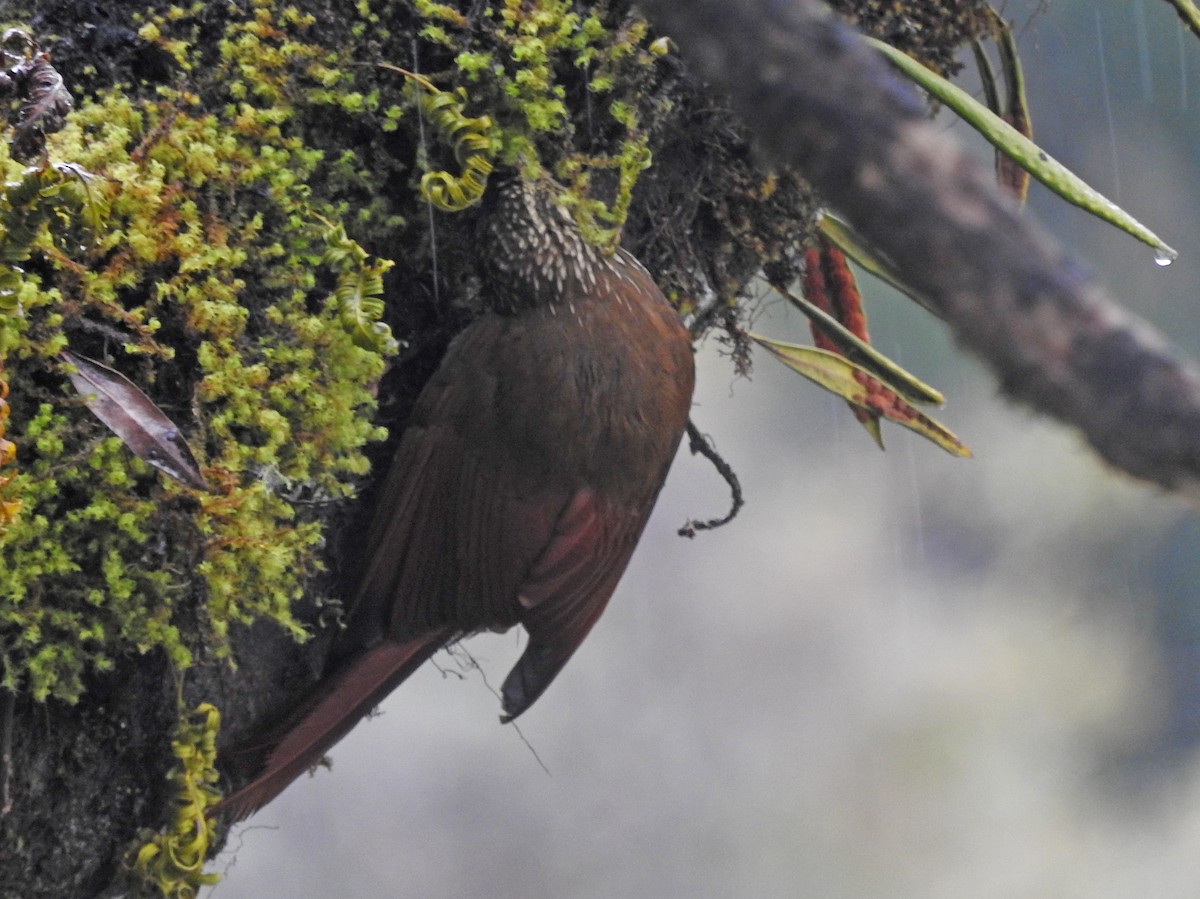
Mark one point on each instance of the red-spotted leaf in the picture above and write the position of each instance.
(862, 353)
(1009, 173)
(857, 386)
(134, 417)
(829, 285)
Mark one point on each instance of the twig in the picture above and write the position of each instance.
(700, 444)
(473, 664)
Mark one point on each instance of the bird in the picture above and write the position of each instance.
(521, 484)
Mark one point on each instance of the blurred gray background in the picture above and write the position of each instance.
(896, 674)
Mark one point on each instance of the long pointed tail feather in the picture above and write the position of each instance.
(337, 703)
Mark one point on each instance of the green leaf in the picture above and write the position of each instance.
(1188, 12)
(842, 236)
(866, 357)
(857, 386)
(1024, 152)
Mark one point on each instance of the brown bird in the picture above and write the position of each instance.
(520, 488)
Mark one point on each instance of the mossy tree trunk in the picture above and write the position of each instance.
(230, 144)
(206, 259)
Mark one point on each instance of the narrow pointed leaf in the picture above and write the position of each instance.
(843, 237)
(870, 421)
(1011, 175)
(987, 77)
(1189, 13)
(1023, 151)
(854, 384)
(134, 417)
(829, 284)
(866, 356)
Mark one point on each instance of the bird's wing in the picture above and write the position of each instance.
(567, 589)
(464, 513)
(456, 545)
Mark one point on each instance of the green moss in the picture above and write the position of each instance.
(187, 248)
(208, 269)
(171, 862)
(520, 64)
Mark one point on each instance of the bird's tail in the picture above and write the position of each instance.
(336, 704)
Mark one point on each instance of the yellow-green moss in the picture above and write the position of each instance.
(213, 278)
(198, 252)
(207, 271)
(171, 862)
(517, 67)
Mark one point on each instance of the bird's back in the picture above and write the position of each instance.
(521, 486)
(527, 410)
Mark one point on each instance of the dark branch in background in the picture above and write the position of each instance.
(825, 104)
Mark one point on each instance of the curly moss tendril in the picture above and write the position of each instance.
(171, 862)
(516, 64)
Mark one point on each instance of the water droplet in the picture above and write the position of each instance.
(1164, 256)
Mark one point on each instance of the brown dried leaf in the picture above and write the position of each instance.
(134, 417)
(44, 111)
